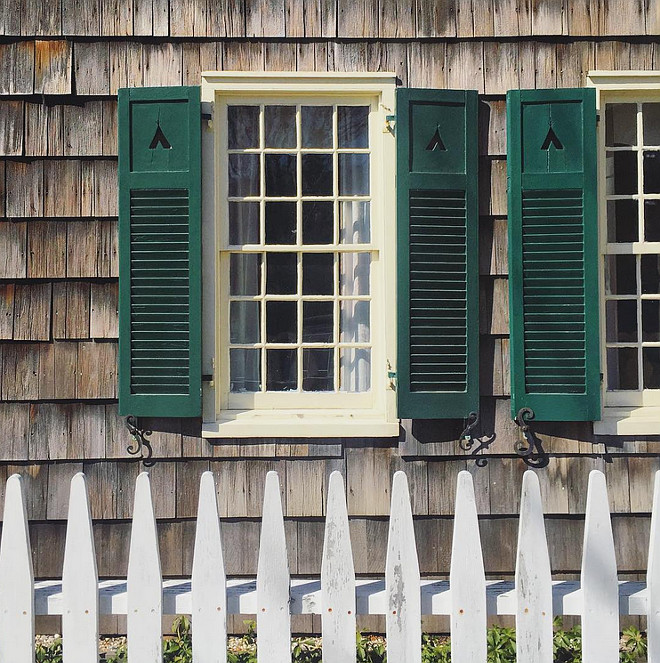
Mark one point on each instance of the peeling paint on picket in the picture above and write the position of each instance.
(400, 594)
(80, 597)
(337, 579)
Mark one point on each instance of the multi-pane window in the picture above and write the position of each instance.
(632, 253)
(297, 187)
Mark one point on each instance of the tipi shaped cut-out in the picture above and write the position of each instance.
(552, 139)
(436, 143)
(159, 139)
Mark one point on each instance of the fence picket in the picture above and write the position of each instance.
(337, 579)
(403, 620)
(80, 596)
(273, 618)
(653, 579)
(144, 581)
(533, 578)
(209, 581)
(16, 579)
(600, 586)
(467, 580)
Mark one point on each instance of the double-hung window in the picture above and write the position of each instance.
(304, 224)
(629, 140)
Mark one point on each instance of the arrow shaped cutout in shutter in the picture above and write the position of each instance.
(159, 139)
(552, 139)
(436, 142)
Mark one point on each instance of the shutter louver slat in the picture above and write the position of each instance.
(160, 370)
(553, 254)
(437, 233)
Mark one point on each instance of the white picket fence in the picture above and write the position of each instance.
(401, 596)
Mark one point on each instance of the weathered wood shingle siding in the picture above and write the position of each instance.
(60, 68)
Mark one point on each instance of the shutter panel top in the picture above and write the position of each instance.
(553, 254)
(160, 252)
(437, 237)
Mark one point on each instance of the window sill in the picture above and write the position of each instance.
(297, 423)
(629, 421)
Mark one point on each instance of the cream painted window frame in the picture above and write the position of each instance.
(353, 415)
(622, 414)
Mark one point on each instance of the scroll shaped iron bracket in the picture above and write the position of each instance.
(466, 440)
(525, 448)
(140, 442)
(531, 449)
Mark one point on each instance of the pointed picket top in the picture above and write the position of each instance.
(144, 580)
(80, 596)
(533, 578)
(209, 581)
(653, 579)
(337, 579)
(599, 581)
(16, 579)
(467, 580)
(403, 619)
(273, 619)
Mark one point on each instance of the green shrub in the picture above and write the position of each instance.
(501, 642)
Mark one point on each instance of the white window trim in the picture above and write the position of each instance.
(379, 418)
(619, 419)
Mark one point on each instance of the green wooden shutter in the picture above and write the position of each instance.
(437, 237)
(553, 254)
(160, 252)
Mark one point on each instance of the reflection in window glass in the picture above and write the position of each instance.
(299, 317)
(622, 369)
(621, 320)
(620, 125)
(622, 221)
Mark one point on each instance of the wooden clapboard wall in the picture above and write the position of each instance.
(60, 68)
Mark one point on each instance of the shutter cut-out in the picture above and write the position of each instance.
(553, 254)
(437, 219)
(160, 252)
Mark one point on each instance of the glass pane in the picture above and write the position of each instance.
(620, 275)
(281, 274)
(651, 367)
(353, 174)
(652, 220)
(353, 126)
(316, 126)
(281, 175)
(280, 126)
(317, 222)
(650, 320)
(317, 322)
(621, 170)
(354, 369)
(281, 370)
(242, 127)
(317, 174)
(621, 321)
(244, 322)
(355, 222)
(620, 125)
(354, 321)
(318, 277)
(650, 274)
(651, 172)
(622, 369)
(622, 223)
(243, 174)
(281, 223)
(318, 369)
(354, 273)
(651, 122)
(245, 274)
(243, 223)
(244, 369)
(281, 322)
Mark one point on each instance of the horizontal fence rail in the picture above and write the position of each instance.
(401, 595)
